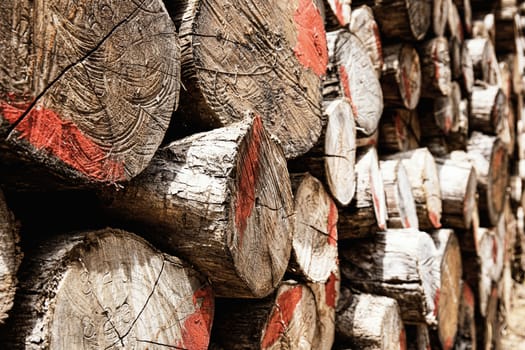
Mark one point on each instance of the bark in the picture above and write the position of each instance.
(332, 159)
(489, 157)
(449, 292)
(399, 131)
(424, 181)
(487, 109)
(466, 336)
(400, 204)
(458, 136)
(364, 26)
(231, 51)
(367, 211)
(108, 288)
(351, 74)
(87, 91)
(366, 321)
(314, 243)
(286, 319)
(398, 263)
(225, 193)
(10, 257)
(458, 182)
(435, 67)
(401, 76)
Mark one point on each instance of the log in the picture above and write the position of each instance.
(228, 62)
(506, 22)
(466, 79)
(351, 74)
(484, 59)
(364, 26)
(367, 211)
(337, 13)
(440, 11)
(366, 321)
(455, 50)
(332, 159)
(108, 288)
(454, 28)
(487, 109)
(449, 292)
(87, 91)
(424, 181)
(225, 193)
(400, 204)
(465, 12)
(401, 76)
(458, 183)
(458, 136)
(466, 336)
(489, 326)
(286, 319)
(399, 130)
(314, 243)
(435, 67)
(10, 257)
(489, 157)
(412, 20)
(437, 116)
(418, 337)
(398, 263)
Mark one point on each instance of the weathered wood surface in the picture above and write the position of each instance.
(86, 91)
(435, 67)
(364, 26)
(466, 337)
(400, 204)
(459, 133)
(108, 288)
(487, 109)
(286, 319)
(225, 194)
(238, 57)
(399, 130)
(484, 60)
(440, 10)
(398, 263)
(332, 159)
(367, 212)
(424, 181)
(465, 12)
(351, 74)
(401, 76)
(314, 242)
(467, 77)
(10, 257)
(367, 321)
(337, 13)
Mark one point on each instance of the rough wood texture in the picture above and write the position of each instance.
(507, 27)
(314, 243)
(367, 211)
(398, 263)
(458, 182)
(489, 157)
(351, 74)
(108, 289)
(86, 91)
(449, 293)
(440, 10)
(399, 131)
(238, 57)
(286, 319)
(332, 159)
(459, 133)
(424, 181)
(10, 257)
(337, 13)
(465, 12)
(225, 193)
(400, 204)
(366, 321)
(401, 76)
(466, 336)
(484, 60)
(364, 26)
(487, 109)
(467, 70)
(418, 337)
(411, 22)
(435, 67)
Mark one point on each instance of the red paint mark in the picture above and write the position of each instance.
(406, 85)
(343, 76)
(448, 124)
(249, 173)
(197, 326)
(400, 127)
(281, 316)
(402, 340)
(45, 130)
(339, 12)
(379, 46)
(436, 302)
(406, 223)
(494, 250)
(449, 343)
(333, 216)
(434, 219)
(311, 48)
(330, 290)
(498, 158)
(468, 296)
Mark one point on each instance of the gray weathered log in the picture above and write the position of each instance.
(364, 26)
(487, 109)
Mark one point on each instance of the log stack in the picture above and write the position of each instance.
(309, 174)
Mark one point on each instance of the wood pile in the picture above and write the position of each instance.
(305, 174)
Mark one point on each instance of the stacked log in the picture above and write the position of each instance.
(311, 174)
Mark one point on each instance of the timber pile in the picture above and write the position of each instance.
(305, 174)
